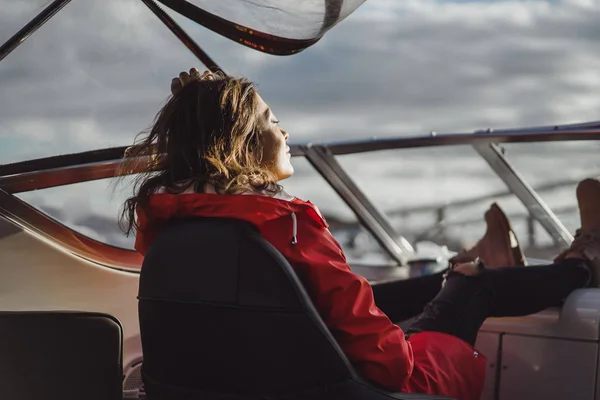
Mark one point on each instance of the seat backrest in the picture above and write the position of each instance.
(60, 355)
(223, 314)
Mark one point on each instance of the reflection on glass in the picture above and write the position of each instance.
(441, 195)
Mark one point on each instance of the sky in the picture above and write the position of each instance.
(95, 75)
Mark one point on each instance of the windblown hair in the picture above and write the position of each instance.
(208, 132)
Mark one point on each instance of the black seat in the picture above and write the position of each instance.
(223, 316)
(60, 355)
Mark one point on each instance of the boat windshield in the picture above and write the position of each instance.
(74, 94)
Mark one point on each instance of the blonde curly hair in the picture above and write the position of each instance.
(207, 132)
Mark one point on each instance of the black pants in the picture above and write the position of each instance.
(461, 307)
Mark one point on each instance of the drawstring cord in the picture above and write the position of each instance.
(294, 229)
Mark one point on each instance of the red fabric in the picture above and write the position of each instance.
(428, 362)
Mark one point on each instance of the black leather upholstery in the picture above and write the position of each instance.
(223, 316)
(60, 355)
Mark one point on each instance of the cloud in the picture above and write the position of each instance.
(391, 68)
(451, 66)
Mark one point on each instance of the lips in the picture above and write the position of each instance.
(287, 149)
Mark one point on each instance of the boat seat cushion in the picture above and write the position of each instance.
(60, 355)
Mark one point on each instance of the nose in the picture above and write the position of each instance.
(286, 136)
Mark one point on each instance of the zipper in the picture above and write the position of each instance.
(294, 229)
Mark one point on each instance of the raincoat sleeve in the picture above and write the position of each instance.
(375, 346)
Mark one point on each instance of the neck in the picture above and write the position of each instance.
(282, 195)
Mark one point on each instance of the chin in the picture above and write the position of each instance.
(287, 173)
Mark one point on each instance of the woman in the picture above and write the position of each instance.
(224, 154)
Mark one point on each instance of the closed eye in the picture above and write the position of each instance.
(275, 121)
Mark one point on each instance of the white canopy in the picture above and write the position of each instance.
(276, 26)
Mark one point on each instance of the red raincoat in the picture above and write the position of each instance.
(428, 362)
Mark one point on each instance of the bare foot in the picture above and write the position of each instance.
(587, 239)
(498, 247)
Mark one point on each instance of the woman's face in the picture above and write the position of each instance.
(276, 153)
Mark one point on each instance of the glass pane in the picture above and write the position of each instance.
(440, 195)
(554, 169)
(92, 208)
(358, 244)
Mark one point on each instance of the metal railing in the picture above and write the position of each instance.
(101, 164)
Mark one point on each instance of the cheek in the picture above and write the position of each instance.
(270, 148)
(265, 148)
